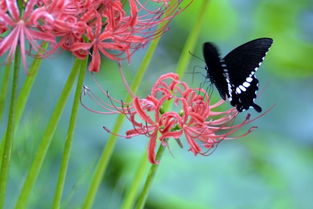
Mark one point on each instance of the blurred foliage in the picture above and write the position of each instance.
(219, 25)
(286, 22)
(270, 168)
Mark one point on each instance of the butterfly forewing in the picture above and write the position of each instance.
(214, 69)
(243, 61)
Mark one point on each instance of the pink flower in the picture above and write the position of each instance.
(111, 28)
(115, 33)
(22, 27)
(192, 116)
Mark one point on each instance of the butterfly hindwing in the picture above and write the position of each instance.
(245, 99)
(235, 76)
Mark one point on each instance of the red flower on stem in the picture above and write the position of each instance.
(115, 34)
(22, 26)
(192, 116)
(110, 28)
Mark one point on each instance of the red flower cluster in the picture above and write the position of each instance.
(113, 28)
(194, 118)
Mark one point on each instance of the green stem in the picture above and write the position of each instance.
(108, 150)
(192, 39)
(4, 87)
(144, 194)
(135, 185)
(46, 139)
(28, 84)
(9, 136)
(69, 138)
(25, 90)
(180, 70)
(3, 98)
(102, 164)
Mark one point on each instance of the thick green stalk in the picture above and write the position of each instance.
(180, 70)
(3, 97)
(28, 84)
(46, 139)
(4, 87)
(192, 39)
(9, 136)
(69, 138)
(135, 184)
(145, 191)
(102, 164)
(108, 150)
(25, 90)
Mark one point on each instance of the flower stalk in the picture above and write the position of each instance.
(9, 136)
(131, 194)
(4, 87)
(24, 92)
(152, 171)
(47, 138)
(28, 84)
(69, 138)
(3, 97)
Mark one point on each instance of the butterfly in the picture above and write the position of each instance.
(234, 75)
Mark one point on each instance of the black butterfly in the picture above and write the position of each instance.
(234, 75)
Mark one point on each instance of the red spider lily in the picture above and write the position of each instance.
(22, 26)
(121, 34)
(110, 28)
(196, 118)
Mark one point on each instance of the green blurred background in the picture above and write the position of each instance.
(270, 168)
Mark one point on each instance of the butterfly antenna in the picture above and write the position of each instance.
(197, 72)
(192, 54)
(194, 71)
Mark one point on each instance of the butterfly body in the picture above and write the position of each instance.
(234, 75)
